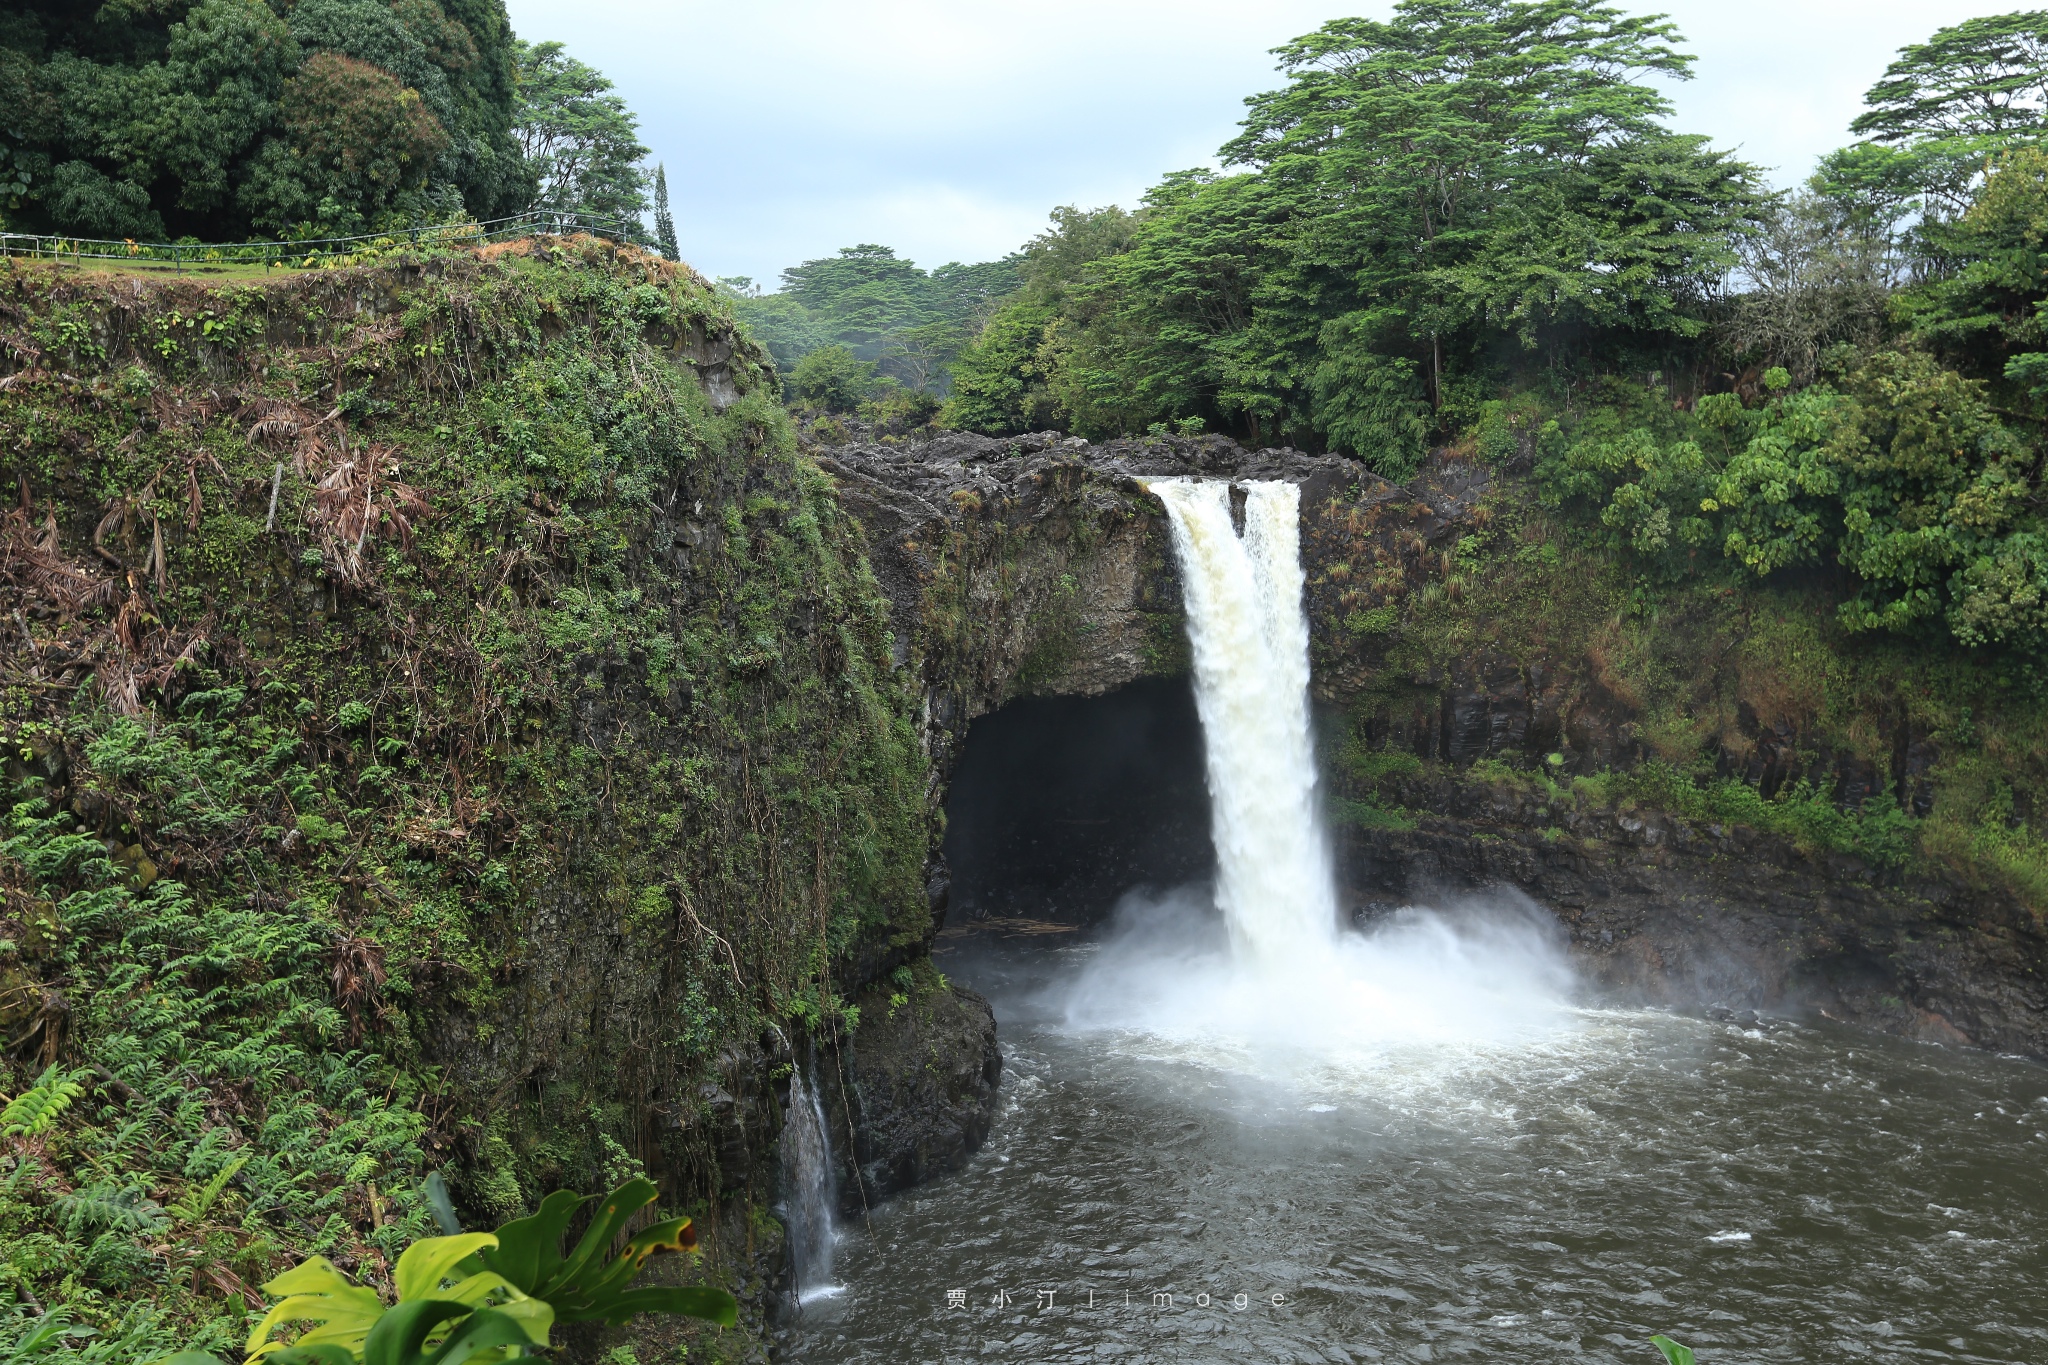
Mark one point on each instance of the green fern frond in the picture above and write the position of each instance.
(113, 1208)
(195, 1208)
(35, 1111)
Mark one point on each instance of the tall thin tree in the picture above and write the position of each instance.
(664, 225)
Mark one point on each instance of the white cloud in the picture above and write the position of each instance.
(947, 130)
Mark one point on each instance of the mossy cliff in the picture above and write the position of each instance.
(447, 725)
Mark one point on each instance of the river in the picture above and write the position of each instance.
(1768, 1191)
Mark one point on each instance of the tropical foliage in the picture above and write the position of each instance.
(480, 1297)
(1469, 224)
(904, 324)
(217, 120)
(1461, 189)
(581, 143)
(241, 890)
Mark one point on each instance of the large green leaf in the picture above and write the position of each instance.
(586, 1263)
(401, 1335)
(711, 1305)
(426, 1263)
(1674, 1354)
(329, 1354)
(440, 1205)
(486, 1334)
(590, 1284)
(314, 1291)
(529, 1250)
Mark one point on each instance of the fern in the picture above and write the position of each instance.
(35, 1111)
(112, 1207)
(193, 1209)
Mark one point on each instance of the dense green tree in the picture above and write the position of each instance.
(1428, 194)
(834, 379)
(886, 311)
(1778, 490)
(358, 142)
(1982, 77)
(1003, 380)
(1935, 487)
(1983, 311)
(784, 326)
(997, 384)
(861, 296)
(189, 117)
(1466, 172)
(581, 142)
(1940, 113)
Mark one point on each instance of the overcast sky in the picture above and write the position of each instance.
(948, 128)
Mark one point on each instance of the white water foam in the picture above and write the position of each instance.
(1256, 975)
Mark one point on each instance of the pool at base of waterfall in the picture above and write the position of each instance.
(1774, 1190)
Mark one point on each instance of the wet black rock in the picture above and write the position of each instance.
(911, 1094)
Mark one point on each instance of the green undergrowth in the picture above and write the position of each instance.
(1879, 832)
(1363, 803)
(1683, 679)
(469, 834)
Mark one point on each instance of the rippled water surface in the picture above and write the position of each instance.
(1782, 1192)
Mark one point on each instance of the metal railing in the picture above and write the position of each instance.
(313, 251)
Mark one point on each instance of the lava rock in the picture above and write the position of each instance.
(916, 1086)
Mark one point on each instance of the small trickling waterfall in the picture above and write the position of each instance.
(810, 1190)
(1250, 638)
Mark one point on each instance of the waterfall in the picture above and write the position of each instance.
(810, 1190)
(1250, 643)
(1253, 975)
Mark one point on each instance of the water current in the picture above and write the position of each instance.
(1232, 1130)
(1771, 1192)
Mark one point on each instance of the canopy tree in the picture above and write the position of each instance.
(221, 118)
(903, 322)
(1460, 187)
(580, 141)
(1940, 113)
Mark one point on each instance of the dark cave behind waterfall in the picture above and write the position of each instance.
(1061, 804)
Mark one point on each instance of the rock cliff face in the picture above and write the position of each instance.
(1037, 565)
(910, 1096)
(1485, 708)
(1689, 913)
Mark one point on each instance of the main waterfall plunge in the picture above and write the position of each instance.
(1256, 974)
(1250, 645)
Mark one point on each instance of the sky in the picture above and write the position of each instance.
(947, 129)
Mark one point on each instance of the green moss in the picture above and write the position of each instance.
(1367, 815)
(1880, 834)
(474, 847)
(1378, 621)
